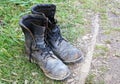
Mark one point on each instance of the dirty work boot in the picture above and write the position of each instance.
(33, 27)
(60, 47)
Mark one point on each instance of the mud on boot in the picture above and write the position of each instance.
(60, 47)
(33, 27)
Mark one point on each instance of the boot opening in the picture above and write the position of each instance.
(47, 9)
(30, 21)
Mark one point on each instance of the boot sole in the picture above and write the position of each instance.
(63, 78)
(76, 60)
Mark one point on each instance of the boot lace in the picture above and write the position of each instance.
(45, 52)
(55, 33)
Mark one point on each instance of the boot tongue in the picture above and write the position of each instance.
(38, 30)
(38, 33)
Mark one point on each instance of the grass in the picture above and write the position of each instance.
(14, 66)
(100, 50)
(90, 78)
(101, 47)
(71, 16)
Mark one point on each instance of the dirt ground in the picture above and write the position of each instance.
(106, 63)
(105, 66)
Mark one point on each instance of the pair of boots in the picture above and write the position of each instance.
(44, 43)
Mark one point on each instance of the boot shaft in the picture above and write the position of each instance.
(33, 27)
(47, 9)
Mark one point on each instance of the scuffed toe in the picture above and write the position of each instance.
(73, 56)
(57, 71)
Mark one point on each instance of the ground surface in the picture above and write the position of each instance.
(14, 66)
(74, 17)
(105, 65)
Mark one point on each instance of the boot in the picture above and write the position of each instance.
(60, 47)
(33, 27)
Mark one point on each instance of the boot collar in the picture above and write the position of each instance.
(30, 16)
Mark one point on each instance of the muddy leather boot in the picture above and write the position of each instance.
(33, 27)
(60, 47)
